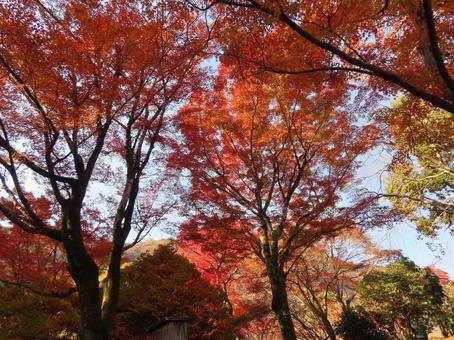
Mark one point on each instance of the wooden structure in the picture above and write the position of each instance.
(170, 329)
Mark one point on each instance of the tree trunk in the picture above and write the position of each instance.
(111, 290)
(85, 274)
(90, 327)
(280, 302)
(329, 329)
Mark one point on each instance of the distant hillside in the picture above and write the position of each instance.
(143, 247)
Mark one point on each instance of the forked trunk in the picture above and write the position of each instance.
(96, 316)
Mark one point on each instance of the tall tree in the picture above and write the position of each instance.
(272, 161)
(398, 45)
(85, 86)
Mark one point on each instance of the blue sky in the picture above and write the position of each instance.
(422, 250)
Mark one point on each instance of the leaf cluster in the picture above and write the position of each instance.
(404, 296)
(420, 182)
(166, 284)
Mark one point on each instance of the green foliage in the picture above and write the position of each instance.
(356, 324)
(446, 321)
(28, 316)
(404, 295)
(167, 284)
(421, 181)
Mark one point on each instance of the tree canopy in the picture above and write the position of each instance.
(394, 45)
(165, 284)
(404, 296)
(245, 128)
(421, 175)
(85, 87)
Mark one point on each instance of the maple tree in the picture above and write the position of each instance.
(228, 265)
(270, 162)
(324, 281)
(166, 284)
(85, 87)
(395, 45)
(219, 258)
(37, 263)
(269, 146)
(44, 265)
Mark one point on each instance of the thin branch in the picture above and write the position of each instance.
(27, 285)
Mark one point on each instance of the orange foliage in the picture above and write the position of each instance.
(386, 45)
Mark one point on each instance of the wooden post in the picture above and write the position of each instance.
(170, 328)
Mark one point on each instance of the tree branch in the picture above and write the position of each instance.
(434, 47)
(27, 285)
(445, 104)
